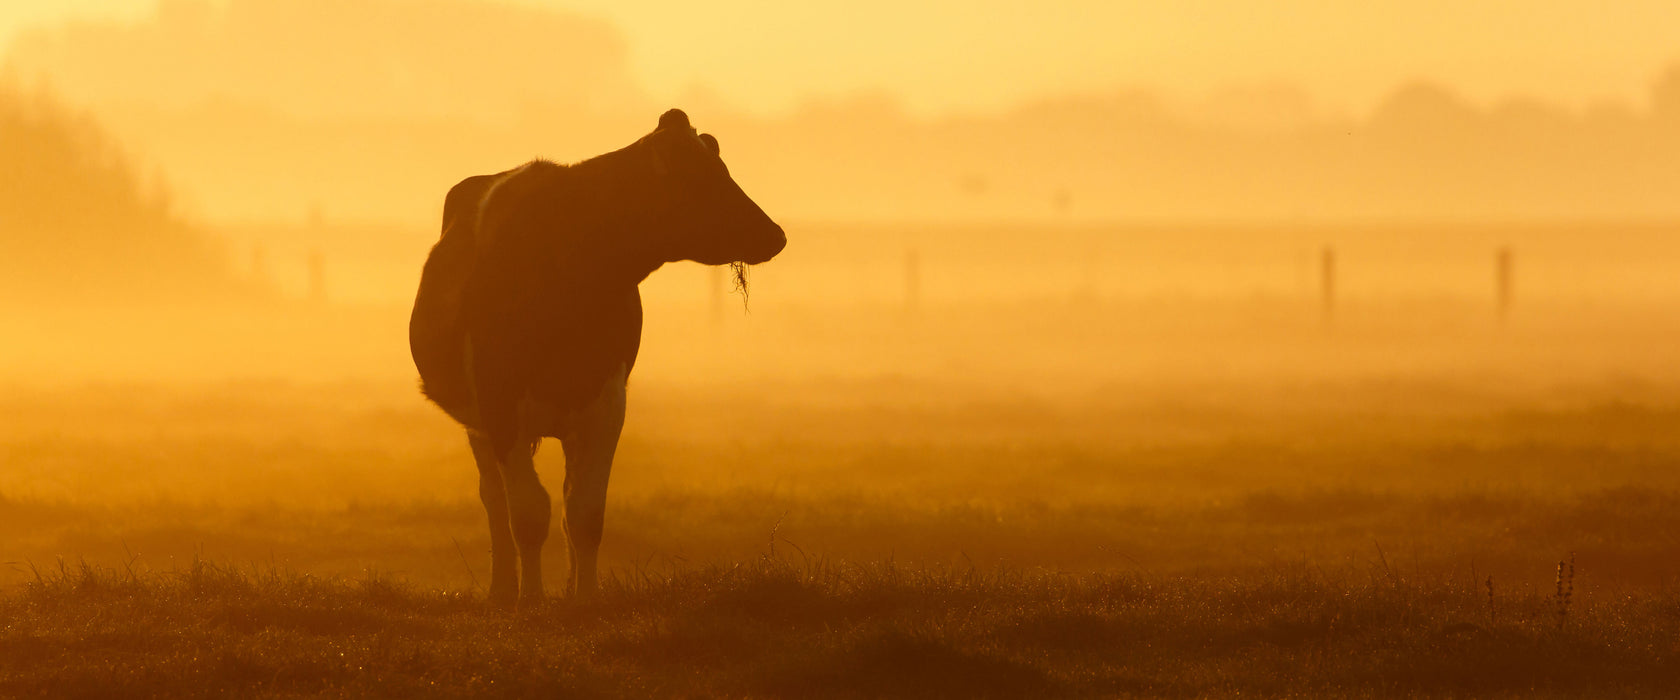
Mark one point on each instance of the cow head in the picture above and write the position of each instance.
(702, 215)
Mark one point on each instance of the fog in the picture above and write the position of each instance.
(1054, 312)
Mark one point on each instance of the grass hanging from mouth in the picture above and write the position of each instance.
(740, 282)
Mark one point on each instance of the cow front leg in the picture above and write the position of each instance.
(504, 562)
(589, 455)
(529, 509)
(586, 506)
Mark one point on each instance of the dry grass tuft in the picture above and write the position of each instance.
(815, 628)
(1565, 589)
(738, 277)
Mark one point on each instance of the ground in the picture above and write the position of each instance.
(896, 538)
(771, 628)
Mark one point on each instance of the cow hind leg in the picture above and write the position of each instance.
(589, 454)
(528, 509)
(504, 562)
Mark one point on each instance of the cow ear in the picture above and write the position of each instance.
(674, 119)
(711, 143)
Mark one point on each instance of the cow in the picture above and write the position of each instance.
(528, 320)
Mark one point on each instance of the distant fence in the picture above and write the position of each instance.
(1499, 268)
(924, 267)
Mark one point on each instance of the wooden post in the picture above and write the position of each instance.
(1327, 282)
(1502, 280)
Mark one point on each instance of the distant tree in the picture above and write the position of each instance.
(1425, 109)
(77, 222)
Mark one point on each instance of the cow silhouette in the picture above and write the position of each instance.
(528, 320)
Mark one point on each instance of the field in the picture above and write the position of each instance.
(773, 629)
(1135, 354)
(1332, 539)
(1060, 491)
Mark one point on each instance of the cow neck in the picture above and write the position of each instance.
(610, 194)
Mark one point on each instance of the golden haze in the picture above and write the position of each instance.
(1155, 348)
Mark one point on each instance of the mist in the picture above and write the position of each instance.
(1070, 373)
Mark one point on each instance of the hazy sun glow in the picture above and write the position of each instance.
(1202, 348)
(944, 57)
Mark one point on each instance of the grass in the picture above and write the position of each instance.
(778, 628)
(1624, 537)
(900, 540)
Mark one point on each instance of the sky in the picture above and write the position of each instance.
(943, 57)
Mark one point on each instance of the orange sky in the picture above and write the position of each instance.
(979, 54)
